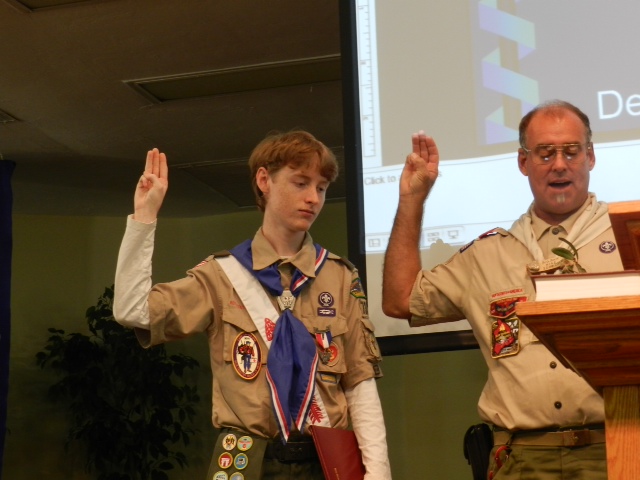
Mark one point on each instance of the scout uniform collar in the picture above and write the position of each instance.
(264, 255)
(540, 226)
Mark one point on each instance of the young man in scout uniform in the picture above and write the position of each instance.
(548, 422)
(290, 342)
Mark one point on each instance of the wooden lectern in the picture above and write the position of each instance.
(599, 338)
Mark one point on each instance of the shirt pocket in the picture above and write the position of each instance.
(236, 322)
(332, 363)
(370, 338)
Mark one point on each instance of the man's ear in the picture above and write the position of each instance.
(591, 157)
(262, 180)
(522, 162)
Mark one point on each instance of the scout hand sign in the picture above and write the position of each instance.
(152, 187)
(421, 167)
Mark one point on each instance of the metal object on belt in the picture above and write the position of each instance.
(296, 451)
(561, 438)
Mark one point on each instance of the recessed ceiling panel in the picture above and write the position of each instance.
(34, 5)
(6, 118)
(306, 71)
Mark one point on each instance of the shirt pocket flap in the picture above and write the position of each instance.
(235, 323)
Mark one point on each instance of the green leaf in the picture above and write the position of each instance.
(563, 252)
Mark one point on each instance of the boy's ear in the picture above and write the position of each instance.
(262, 180)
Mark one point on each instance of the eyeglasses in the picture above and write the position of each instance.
(546, 154)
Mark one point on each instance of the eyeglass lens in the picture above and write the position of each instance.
(549, 152)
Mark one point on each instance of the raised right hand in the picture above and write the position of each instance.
(421, 167)
(151, 188)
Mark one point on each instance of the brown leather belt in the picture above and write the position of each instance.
(566, 437)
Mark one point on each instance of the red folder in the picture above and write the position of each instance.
(339, 453)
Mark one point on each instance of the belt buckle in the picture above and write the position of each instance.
(576, 438)
(295, 453)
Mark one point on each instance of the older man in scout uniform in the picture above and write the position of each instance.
(547, 421)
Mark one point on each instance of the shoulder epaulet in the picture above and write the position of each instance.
(222, 253)
(344, 260)
(494, 231)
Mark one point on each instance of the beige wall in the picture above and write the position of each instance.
(61, 266)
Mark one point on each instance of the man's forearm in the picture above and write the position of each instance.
(402, 258)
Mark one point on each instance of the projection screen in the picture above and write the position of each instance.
(465, 72)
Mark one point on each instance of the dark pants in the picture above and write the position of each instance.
(275, 470)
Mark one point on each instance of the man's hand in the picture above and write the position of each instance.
(151, 187)
(402, 259)
(421, 167)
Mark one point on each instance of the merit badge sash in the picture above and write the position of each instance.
(292, 386)
(505, 325)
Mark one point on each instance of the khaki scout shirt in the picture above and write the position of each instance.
(205, 301)
(530, 389)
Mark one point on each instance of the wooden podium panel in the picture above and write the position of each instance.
(599, 338)
(625, 222)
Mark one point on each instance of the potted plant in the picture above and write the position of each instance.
(130, 408)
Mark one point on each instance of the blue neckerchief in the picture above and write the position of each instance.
(292, 358)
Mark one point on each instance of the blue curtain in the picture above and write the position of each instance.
(6, 245)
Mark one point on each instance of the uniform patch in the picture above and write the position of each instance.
(269, 328)
(325, 299)
(225, 460)
(505, 307)
(241, 461)
(326, 312)
(329, 377)
(607, 247)
(504, 337)
(246, 356)
(505, 326)
(508, 293)
(356, 289)
(220, 476)
(245, 443)
(229, 441)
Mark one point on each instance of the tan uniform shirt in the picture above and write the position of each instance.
(205, 301)
(529, 388)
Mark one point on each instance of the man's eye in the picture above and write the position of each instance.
(571, 150)
(545, 152)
